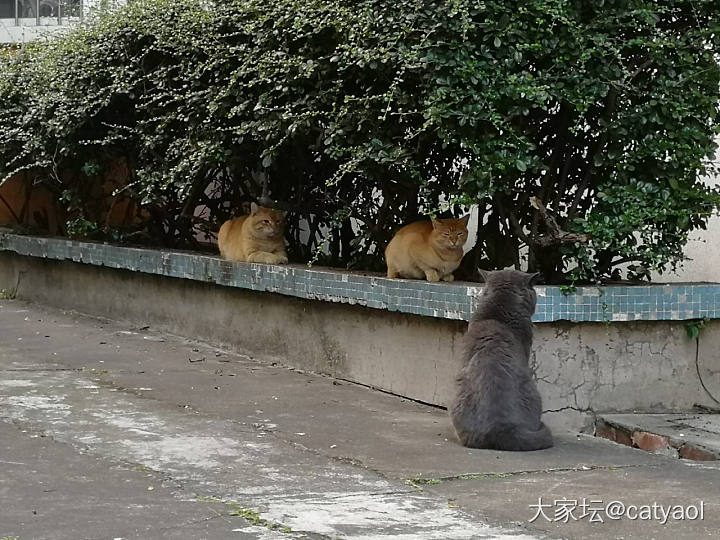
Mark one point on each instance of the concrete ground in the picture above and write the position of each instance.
(111, 432)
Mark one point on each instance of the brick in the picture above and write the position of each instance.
(616, 434)
(623, 436)
(604, 431)
(650, 441)
(689, 451)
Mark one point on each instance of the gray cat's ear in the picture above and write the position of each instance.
(484, 275)
(534, 278)
(253, 208)
(465, 219)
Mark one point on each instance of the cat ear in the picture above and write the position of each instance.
(484, 275)
(253, 208)
(534, 278)
(465, 219)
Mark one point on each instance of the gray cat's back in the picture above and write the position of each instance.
(497, 404)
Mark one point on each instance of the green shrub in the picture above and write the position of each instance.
(376, 113)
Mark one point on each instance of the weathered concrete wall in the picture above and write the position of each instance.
(581, 368)
(640, 366)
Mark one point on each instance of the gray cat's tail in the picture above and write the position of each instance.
(513, 438)
(521, 439)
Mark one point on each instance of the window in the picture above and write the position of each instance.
(34, 9)
(27, 9)
(7, 9)
(49, 8)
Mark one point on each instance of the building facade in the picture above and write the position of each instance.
(26, 20)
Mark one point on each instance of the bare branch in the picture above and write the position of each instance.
(555, 234)
(513, 220)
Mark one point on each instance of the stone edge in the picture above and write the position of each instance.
(441, 300)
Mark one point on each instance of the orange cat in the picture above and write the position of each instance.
(258, 237)
(427, 249)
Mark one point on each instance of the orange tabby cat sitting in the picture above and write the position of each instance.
(427, 249)
(258, 237)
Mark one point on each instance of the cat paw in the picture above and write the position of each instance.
(262, 257)
(432, 275)
(281, 259)
(448, 277)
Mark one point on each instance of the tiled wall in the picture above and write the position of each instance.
(443, 300)
(630, 303)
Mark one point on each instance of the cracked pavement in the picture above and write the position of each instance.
(110, 431)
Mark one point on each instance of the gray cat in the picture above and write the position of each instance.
(498, 405)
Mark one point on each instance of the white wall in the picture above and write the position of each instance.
(703, 253)
(27, 31)
(703, 249)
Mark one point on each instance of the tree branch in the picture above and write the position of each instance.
(14, 215)
(555, 234)
(513, 220)
(610, 107)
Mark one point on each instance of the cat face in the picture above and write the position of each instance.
(266, 223)
(450, 233)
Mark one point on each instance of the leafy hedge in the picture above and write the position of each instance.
(580, 128)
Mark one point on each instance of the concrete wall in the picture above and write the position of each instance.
(581, 368)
